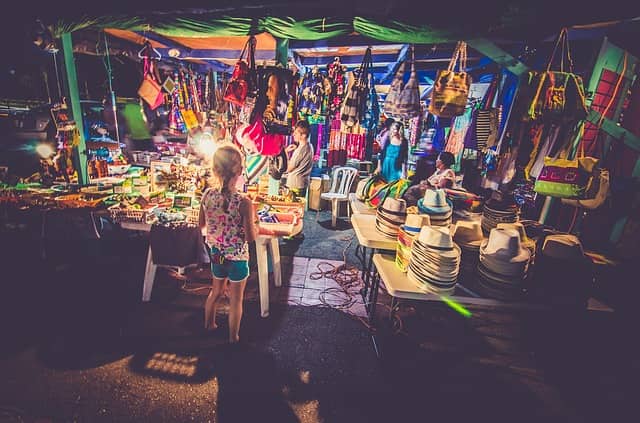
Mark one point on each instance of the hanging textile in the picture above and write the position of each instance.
(311, 93)
(455, 141)
(355, 146)
(337, 145)
(334, 93)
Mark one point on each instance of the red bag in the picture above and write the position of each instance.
(242, 76)
(150, 90)
(270, 144)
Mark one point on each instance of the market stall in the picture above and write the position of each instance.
(519, 135)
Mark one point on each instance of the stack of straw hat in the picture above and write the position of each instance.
(495, 212)
(435, 204)
(406, 235)
(435, 261)
(526, 242)
(564, 274)
(503, 264)
(468, 235)
(390, 216)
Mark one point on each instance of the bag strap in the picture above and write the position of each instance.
(563, 41)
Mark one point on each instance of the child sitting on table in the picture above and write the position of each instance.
(230, 221)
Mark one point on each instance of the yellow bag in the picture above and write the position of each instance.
(451, 89)
(190, 119)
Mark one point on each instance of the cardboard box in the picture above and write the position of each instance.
(317, 186)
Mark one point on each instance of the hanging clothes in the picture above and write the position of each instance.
(455, 142)
(336, 78)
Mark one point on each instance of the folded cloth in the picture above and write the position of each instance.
(176, 246)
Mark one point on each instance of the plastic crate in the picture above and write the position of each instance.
(285, 226)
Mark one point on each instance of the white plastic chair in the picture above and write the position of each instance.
(341, 182)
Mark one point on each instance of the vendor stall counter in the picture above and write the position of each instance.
(266, 246)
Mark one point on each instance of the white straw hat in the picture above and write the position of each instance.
(468, 233)
(394, 205)
(505, 246)
(563, 246)
(434, 201)
(436, 237)
(415, 222)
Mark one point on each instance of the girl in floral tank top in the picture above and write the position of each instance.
(230, 222)
(225, 231)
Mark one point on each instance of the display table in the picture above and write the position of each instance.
(265, 244)
(359, 207)
(370, 241)
(398, 286)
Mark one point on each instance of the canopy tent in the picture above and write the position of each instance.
(215, 38)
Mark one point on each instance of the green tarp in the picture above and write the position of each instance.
(279, 27)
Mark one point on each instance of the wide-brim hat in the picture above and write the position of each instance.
(468, 233)
(436, 237)
(518, 226)
(436, 254)
(563, 246)
(505, 246)
(502, 267)
(388, 231)
(394, 206)
(427, 287)
(391, 219)
(415, 222)
(431, 210)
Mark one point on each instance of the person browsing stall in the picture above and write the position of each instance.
(300, 161)
(393, 157)
(230, 223)
(442, 177)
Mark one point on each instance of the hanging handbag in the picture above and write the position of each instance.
(451, 89)
(564, 178)
(559, 94)
(240, 84)
(352, 107)
(408, 102)
(394, 91)
(150, 90)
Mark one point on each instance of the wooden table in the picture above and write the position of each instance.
(266, 245)
(370, 241)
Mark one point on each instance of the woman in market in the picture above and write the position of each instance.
(443, 177)
(230, 222)
(383, 136)
(393, 157)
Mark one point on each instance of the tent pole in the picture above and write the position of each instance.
(74, 97)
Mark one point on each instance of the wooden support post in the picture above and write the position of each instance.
(76, 109)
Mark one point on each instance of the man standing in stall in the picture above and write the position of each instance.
(300, 160)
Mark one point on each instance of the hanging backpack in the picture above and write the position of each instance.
(352, 107)
(450, 91)
(408, 101)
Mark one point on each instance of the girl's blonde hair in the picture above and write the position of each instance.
(227, 164)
